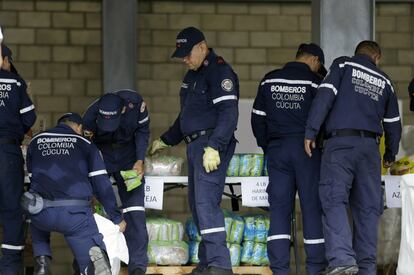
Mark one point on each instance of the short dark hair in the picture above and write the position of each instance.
(300, 53)
(368, 47)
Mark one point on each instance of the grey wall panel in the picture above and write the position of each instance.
(119, 44)
(338, 25)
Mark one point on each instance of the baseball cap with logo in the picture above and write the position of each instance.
(109, 112)
(186, 39)
(74, 117)
(313, 49)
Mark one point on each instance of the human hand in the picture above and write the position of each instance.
(309, 145)
(387, 164)
(211, 159)
(139, 167)
(122, 226)
(157, 145)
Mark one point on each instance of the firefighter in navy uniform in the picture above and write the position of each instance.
(207, 121)
(278, 121)
(17, 116)
(357, 102)
(119, 125)
(66, 170)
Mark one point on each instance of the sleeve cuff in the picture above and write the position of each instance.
(117, 219)
(310, 134)
(388, 157)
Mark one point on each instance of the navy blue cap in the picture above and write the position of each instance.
(109, 112)
(5, 51)
(186, 39)
(313, 49)
(74, 117)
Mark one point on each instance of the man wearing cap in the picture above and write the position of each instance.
(207, 121)
(66, 170)
(17, 116)
(119, 125)
(278, 121)
(356, 102)
(7, 60)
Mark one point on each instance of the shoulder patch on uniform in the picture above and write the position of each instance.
(227, 85)
(143, 105)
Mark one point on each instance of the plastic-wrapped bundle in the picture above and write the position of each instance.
(247, 252)
(259, 251)
(260, 235)
(168, 253)
(162, 229)
(160, 165)
(251, 165)
(193, 252)
(234, 250)
(249, 230)
(233, 170)
(237, 229)
(265, 259)
(228, 220)
(403, 166)
(192, 231)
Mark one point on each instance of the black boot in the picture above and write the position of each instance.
(198, 270)
(42, 265)
(212, 270)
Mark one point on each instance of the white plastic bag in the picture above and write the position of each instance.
(406, 256)
(115, 243)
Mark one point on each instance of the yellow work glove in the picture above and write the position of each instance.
(157, 145)
(211, 159)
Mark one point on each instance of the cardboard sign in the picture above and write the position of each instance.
(254, 191)
(392, 191)
(154, 193)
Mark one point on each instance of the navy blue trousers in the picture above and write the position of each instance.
(351, 177)
(77, 226)
(291, 170)
(136, 234)
(205, 192)
(11, 216)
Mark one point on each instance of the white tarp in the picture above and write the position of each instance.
(115, 243)
(406, 256)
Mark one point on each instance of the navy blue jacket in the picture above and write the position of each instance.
(282, 103)
(122, 148)
(17, 113)
(355, 94)
(209, 100)
(65, 165)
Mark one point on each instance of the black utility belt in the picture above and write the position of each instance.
(190, 138)
(4, 140)
(352, 133)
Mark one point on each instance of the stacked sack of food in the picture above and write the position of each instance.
(234, 226)
(254, 249)
(166, 245)
(246, 165)
(403, 166)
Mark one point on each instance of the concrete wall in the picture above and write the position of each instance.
(57, 49)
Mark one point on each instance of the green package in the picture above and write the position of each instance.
(131, 179)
